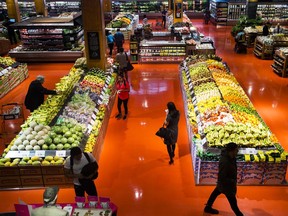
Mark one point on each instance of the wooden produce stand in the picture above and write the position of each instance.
(4, 46)
(280, 64)
(263, 50)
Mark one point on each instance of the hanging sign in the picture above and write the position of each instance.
(93, 45)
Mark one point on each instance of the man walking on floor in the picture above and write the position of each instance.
(227, 180)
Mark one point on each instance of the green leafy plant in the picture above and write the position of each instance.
(243, 22)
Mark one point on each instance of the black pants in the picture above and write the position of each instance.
(171, 151)
(164, 23)
(111, 46)
(231, 198)
(87, 186)
(125, 103)
(119, 45)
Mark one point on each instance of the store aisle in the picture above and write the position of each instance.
(134, 170)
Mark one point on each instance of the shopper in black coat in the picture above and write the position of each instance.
(35, 95)
(227, 180)
(171, 123)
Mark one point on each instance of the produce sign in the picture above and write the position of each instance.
(223, 112)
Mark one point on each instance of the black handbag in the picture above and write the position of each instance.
(166, 134)
(88, 169)
(129, 65)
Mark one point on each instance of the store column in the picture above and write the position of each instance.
(171, 5)
(107, 5)
(40, 6)
(178, 11)
(13, 10)
(252, 8)
(94, 33)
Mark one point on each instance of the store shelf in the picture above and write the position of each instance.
(219, 12)
(49, 39)
(55, 8)
(162, 51)
(273, 11)
(134, 51)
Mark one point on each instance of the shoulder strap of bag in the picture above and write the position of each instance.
(126, 56)
(87, 157)
(71, 164)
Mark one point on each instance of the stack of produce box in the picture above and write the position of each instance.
(11, 74)
(76, 117)
(220, 112)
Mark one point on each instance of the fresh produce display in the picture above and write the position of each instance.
(11, 74)
(64, 135)
(6, 61)
(225, 112)
(51, 106)
(121, 21)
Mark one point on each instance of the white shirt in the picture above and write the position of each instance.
(49, 211)
(78, 165)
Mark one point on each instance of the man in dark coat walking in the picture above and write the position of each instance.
(35, 94)
(227, 180)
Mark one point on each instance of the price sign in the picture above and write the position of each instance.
(106, 86)
(61, 153)
(196, 109)
(99, 101)
(250, 151)
(109, 78)
(194, 99)
(93, 116)
(40, 153)
(89, 129)
(96, 110)
(198, 118)
(24, 153)
(204, 141)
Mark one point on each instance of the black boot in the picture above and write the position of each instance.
(210, 210)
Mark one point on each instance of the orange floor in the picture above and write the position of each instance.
(134, 170)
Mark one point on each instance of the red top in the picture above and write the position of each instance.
(123, 89)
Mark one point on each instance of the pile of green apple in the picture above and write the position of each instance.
(64, 135)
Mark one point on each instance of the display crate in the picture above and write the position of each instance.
(10, 182)
(52, 170)
(30, 170)
(54, 180)
(280, 64)
(32, 181)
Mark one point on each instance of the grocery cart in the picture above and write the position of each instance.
(12, 117)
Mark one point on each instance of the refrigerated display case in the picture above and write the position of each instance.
(49, 39)
(274, 12)
(27, 8)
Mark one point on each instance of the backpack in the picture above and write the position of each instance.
(88, 169)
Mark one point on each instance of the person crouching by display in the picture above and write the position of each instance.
(75, 167)
(35, 95)
(50, 198)
(171, 123)
(227, 180)
(123, 89)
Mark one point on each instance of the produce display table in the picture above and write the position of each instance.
(11, 74)
(127, 30)
(103, 207)
(218, 112)
(77, 117)
(280, 65)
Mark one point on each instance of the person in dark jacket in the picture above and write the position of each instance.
(11, 33)
(171, 124)
(265, 29)
(119, 39)
(227, 180)
(35, 95)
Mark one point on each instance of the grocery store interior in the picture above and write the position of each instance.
(133, 163)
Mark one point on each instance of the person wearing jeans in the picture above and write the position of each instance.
(123, 89)
(227, 180)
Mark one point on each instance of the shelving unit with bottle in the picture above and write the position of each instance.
(219, 11)
(273, 11)
(27, 8)
(56, 8)
(235, 10)
(49, 39)
(134, 49)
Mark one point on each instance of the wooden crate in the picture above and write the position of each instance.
(53, 170)
(30, 170)
(54, 180)
(9, 171)
(10, 181)
(32, 180)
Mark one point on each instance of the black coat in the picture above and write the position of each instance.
(227, 174)
(172, 119)
(35, 95)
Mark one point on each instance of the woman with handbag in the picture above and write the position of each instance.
(123, 89)
(171, 124)
(122, 60)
